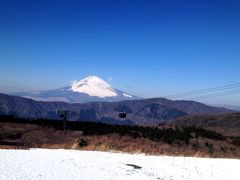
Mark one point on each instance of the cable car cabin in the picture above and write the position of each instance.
(61, 115)
(122, 115)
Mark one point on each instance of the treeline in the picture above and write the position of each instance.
(168, 135)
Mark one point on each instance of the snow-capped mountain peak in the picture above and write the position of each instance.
(89, 89)
(93, 86)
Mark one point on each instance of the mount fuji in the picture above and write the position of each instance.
(89, 89)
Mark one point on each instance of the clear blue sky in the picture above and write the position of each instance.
(148, 48)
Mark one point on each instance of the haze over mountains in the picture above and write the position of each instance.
(93, 99)
(144, 111)
(89, 89)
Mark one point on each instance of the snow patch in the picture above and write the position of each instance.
(127, 95)
(93, 86)
(50, 99)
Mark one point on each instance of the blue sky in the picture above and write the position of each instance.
(147, 48)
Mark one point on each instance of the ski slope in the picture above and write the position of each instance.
(70, 164)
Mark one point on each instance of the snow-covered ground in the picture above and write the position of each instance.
(70, 164)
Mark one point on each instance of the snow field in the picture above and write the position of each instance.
(72, 164)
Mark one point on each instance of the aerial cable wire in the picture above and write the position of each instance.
(204, 91)
(215, 95)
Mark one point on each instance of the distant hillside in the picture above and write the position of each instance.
(227, 124)
(181, 141)
(145, 111)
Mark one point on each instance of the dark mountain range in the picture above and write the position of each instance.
(145, 111)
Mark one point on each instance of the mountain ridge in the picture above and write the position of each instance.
(226, 123)
(143, 111)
